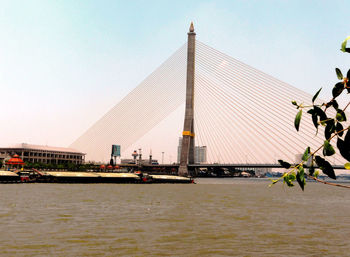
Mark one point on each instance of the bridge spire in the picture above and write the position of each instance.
(191, 27)
(187, 147)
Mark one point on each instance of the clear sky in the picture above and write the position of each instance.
(63, 64)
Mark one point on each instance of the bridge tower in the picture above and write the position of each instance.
(187, 148)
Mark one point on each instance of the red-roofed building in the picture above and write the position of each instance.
(15, 160)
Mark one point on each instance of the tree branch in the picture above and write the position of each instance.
(328, 183)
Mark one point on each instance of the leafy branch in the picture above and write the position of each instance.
(333, 127)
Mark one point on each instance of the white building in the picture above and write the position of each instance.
(43, 154)
(200, 153)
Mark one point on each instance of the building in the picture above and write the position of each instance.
(43, 154)
(200, 153)
(143, 161)
(137, 159)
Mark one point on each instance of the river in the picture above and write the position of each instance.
(215, 217)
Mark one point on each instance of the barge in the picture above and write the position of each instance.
(170, 179)
(88, 177)
(9, 177)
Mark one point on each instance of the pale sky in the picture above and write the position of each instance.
(63, 64)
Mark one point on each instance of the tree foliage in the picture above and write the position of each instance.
(336, 134)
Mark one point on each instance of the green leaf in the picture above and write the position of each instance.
(306, 154)
(316, 173)
(340, 115)
(337, 89)
(348, 74)
(294, 103)
(330, 128)
(288, 181)
(347, 165)
(339, 127)
(316, 95)
(343, 45)
(315, 121)
(297, 120)
(320, 113)
(284, 164)
(347, 139)
(311, 111)
(291, 176)
(328, 149)
(301, 178)
(314, 118)
(325, 166)
(343, 149)
(335, 104)
(344, 146)
(339, 74)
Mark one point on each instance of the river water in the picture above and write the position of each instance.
(215, 217)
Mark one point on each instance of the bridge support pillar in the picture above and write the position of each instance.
(187, 147)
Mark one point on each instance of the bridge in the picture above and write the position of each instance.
(241, 114)
(224, 169)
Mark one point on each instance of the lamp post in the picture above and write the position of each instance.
(162, 157)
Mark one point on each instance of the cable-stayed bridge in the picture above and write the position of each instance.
(241, 114)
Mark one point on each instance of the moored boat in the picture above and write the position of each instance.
(69, 177)
(9, 177)
(170, 179)
(118, 178)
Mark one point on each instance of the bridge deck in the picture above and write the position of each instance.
(216, 165)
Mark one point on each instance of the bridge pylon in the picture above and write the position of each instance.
(187, 148)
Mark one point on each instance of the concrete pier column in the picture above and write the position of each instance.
(187, 149)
